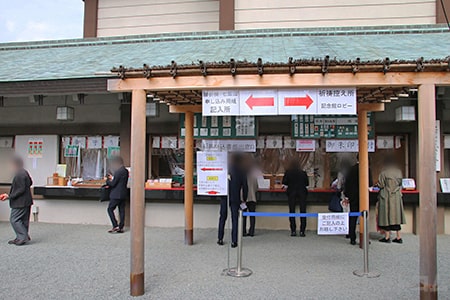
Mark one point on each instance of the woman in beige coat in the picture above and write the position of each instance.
(390, 211)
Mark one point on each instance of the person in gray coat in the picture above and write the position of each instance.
(20, 201)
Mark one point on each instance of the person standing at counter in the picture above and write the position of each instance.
(252, 182)
(20, 201)
(119, 193)
(351, 191)
(237, 188)
(390, 206)
(297, 183)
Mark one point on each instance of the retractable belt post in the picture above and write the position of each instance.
(365, 272)
(239, 271)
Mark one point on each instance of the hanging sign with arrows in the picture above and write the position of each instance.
(212, 173)
(258, 102)
(265, 102)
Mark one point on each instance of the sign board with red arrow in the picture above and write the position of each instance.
(258, 102)
(212, 173)
(266, 102)
(297, 102)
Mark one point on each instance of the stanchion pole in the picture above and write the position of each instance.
(238, 271)
(366, 272)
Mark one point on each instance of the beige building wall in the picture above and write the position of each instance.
(131, 17)
(252, 14)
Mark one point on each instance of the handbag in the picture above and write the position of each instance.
(335, 203)
(104, 193)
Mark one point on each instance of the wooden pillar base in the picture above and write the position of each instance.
(428, 292)
(189, 237)
(137, 284)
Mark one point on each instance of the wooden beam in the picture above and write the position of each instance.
(177, 109)
(137, 203)
(365, 107)
(426, 171)
(226, 15)
(90, 18)
(363, 141)
(280, 81)
(189, 178)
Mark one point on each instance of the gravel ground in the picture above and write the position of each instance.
(84, 262)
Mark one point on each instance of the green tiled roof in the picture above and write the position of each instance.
(86, 58)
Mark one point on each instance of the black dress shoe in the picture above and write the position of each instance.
(353, 242)
(398, 241)
(302, 234)
(233, 245)
(347, 236)
(120, 231)
(20, 243)
(384, 240)
(293, 233)
(245, 234)
(220, 242)
(251, 234)
(12, 242)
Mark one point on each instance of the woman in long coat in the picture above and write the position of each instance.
(390, 211)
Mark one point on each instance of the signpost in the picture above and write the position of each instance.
(212, 173)
(332, 224)
(266, 102)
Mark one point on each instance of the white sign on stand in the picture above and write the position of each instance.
(258, 103)
(212, 173)
(332, 224)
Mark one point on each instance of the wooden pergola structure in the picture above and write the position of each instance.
(180, 87)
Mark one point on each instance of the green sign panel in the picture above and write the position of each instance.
(345, 127)
(71, 151)
(226, 127)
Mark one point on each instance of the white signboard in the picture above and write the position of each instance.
(220, 103)
(274, 142)
(446, 141)
(212, 173)
(332, 224)
(289, 143)
(258, 102)
(305, 146)
(336, 101)
(297, 102)
(169, 142)
(437, 144)
(6, 141)
(385, 142)
(445, 185)
(229, 145)
(347, 146)
(94, 142)
(264, 102)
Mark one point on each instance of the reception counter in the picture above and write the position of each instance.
(165, 208)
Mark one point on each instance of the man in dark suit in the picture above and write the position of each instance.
(118, 194)
(237, 186)
(20, 201)
(297, 183)
(351, 191)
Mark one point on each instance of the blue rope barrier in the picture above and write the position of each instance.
(280, 214)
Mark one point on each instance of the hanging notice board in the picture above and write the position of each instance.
(337, 127)
(221, 127)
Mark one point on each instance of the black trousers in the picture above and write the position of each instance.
(352, 222)
(293, 200)
(113, 203)
(251, 207)
(234, 206)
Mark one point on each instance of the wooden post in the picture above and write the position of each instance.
(427, 191)
(189, 178)
(363, 141)
(137, 203)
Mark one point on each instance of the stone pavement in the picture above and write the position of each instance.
(84, 262)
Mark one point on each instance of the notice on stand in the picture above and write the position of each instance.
(212, 173)
(332, 224)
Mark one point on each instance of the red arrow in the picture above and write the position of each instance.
(263, 101)
(306, 101)
(213, 192)
(211, 169)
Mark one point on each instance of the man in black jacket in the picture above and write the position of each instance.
(297, 183)
(118, 194)
(351, 191)
(237, 186)
(20, 201)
